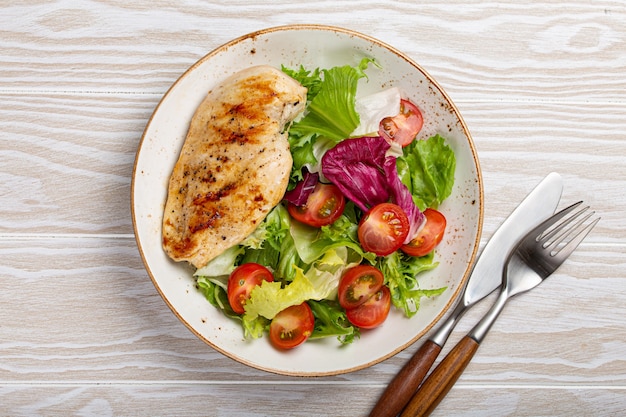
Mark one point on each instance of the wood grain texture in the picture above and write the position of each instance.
(549, 49)
(82, 329)
(286, 400)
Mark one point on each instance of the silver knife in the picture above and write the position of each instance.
(485, 277)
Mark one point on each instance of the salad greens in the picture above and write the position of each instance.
(308, 262)
(426, 169)
(331, 320)
(331, 112)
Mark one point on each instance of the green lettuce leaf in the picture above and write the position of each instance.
(222, 265)
(325, 273)
(331, 320)
(215, 293)
(400, 273)
(270, 298)
(311, 243)
(427, 169)
(318, 283)
(311, 80)
(331, 111)
(275, 247)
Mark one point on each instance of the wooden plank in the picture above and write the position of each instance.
(541, 51)
(293, 400)
(67, 160)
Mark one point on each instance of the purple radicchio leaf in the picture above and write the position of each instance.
(367, 176)
(303, 189)
(356, 167)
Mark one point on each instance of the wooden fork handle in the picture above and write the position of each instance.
(441, 379)
(405, 383)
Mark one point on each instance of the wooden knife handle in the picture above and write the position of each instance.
(405, 383)
(441, 379)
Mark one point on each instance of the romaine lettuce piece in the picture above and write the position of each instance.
(312, 243)
(215, 293)
(276, 250)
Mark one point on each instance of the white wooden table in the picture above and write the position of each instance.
(542, 87)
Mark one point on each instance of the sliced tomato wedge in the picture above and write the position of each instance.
(403, 127)
(430, 235)
(358, 284)
(292, 326)
(325, 204)
(373, 312)
(241, 282)
(383, 229)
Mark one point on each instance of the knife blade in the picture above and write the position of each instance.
(485, 277)
(486, 274)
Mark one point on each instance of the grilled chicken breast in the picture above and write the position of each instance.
(234, 165)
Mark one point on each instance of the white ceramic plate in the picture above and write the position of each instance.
(312, 46)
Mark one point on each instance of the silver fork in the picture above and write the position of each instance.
(535, 258)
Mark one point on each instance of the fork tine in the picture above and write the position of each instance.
(536, 248)
(545, 229)
(560, 232)
(568, 248)
(552, 227)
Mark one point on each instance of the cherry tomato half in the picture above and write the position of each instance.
(383, 229)
(430, 235)
(373, 312)
(325, 204)
(358, 284)
(241, 282)
(292, 326)
(403, 127)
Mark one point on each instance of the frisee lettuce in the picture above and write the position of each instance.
(400, 271)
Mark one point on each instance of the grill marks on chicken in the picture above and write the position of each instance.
(234, 165)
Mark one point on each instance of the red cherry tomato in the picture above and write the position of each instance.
(403, 127)
(358, 284)
(373, 312)
(292, 326)
(241, 282)
(430, 235)
(325, 204)
(383, 229)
